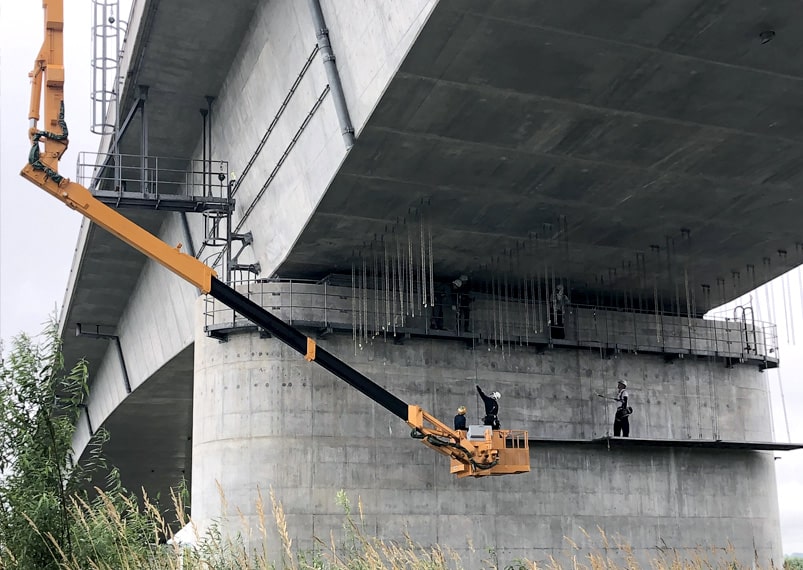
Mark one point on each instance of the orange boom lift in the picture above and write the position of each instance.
(491, 452)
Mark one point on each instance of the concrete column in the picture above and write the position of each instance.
(264, 418)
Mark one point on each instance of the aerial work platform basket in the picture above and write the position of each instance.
(478, 452)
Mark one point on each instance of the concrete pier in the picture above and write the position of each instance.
(645, 155)
(266, 419)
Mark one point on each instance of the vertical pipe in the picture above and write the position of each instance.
(322, 35)
(144, 142)
(354, 307)
(227, 270)
(204, 113)
(209, 100)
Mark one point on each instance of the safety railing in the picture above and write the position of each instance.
(517, 439)
(161, 182)
(499, 322)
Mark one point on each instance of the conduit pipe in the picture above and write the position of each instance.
(332, 75)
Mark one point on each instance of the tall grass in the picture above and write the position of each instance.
(114, 532)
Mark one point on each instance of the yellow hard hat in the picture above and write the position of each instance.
(461, 410)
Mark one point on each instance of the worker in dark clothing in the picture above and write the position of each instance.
(621, 422)
(443, 293)
(491, 408)
(558, 304)
(461, 303)
(460, 419)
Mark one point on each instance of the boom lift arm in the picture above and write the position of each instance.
(495, 452)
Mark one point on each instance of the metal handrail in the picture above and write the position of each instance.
(151, 174)
(314, 302)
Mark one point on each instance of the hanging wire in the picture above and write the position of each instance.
(605, 392)
(541, 315)
(494, 307)
(411, 272)
(783, 401)
(506, 306)
(364, 290)
(375, 291)
(386, 285)
(564, 236)
(518, 295)
(787, 309)
(500, 309)
(553, 298)
(432, 299)
(423, 274)
(767, 271)
(354, 307)
(400, 273)
(714, 399)
(799, 250)
(790, 335)
(526, 296)
(394, 282)
(656, 250)
(685, 412)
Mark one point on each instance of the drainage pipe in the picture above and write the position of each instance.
(322, 35)
(208, 140)
(204, 113)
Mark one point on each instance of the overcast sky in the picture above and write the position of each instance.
(38, 234)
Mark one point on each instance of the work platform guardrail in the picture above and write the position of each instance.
(161, 183)
(499, 323)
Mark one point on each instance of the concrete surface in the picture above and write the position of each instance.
(289, 426)
(143, 304)
(627, 123)
(634, 121)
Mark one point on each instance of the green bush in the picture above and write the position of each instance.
(43, 492)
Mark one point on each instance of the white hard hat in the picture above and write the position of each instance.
(457, 283)
(623, 383)
(496, 395)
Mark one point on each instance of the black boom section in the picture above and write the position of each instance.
(297, 340)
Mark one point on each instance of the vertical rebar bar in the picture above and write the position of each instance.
(423, 275)
(354, 307)
(432, 299)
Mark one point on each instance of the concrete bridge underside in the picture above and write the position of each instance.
(631, 121)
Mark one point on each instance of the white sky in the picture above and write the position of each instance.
(38, 234)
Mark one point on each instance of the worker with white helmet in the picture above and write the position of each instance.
(460, 419)
(491, 408)
(621, 422)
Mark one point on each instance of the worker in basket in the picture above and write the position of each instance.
(460, 419)
(491, 408)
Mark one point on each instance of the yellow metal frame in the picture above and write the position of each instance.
(502, 452)
(311, 346)
(79, 198)
(48, 71)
